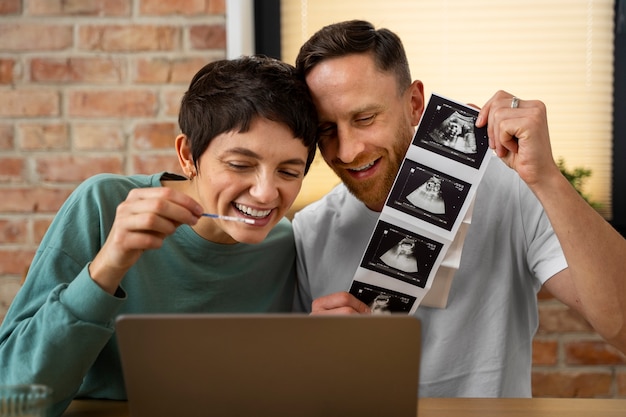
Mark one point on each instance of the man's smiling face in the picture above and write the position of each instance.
(365, 125)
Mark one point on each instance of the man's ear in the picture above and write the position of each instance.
(185, 159)
(416, 90)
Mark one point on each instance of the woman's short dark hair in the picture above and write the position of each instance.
(357, 36)
(227, 95)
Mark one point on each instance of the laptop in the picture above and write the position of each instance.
(270, 365)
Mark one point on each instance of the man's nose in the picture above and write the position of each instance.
(349, 146)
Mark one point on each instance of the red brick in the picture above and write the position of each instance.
(571, 384)
(32, 200)
(13, 231)
(216, 6)
(183, 70)
(6, 137)
(128, 38)
(98, 136)
(544, 294)
(180, 7)
(77, 70)
(592, 353)
(40, 226)
(8, 288)
(172, 101)
(27, 103)
(131, 103)
(163, 70)
(156, 70)
(208, 37)
(79, 7)
(558, 318)
(151, 164)
(6, 70)
(621, 383)
(10, 7)
(545, 352)
(155, 135)
(11, 169)
(76, 168)
(15, 261)
(43, 136)
(21, 37)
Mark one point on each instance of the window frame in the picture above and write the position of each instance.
(618, 194)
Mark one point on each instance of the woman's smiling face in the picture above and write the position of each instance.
(254, 175)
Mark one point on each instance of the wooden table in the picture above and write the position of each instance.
(435, 407)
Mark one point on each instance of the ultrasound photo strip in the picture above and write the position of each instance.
(428, 202)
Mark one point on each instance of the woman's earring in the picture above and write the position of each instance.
(192, 175)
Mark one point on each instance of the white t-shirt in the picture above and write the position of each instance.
(480, 345)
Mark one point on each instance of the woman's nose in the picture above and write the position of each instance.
(264, 189)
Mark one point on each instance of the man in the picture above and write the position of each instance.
(480, 344)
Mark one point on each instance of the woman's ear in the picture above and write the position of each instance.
(185, 158)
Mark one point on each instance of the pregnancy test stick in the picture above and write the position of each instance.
(231, 218)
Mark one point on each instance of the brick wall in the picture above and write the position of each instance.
(90, 86)
(570, 359)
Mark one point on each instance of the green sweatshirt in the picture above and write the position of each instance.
(59, 330)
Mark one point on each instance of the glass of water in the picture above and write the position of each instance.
(30, 400)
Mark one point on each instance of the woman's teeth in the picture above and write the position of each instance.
(249, 211)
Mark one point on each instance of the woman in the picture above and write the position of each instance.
(140, 244)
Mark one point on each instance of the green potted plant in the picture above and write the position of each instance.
(577, 177)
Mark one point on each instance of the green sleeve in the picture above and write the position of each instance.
(60, 320)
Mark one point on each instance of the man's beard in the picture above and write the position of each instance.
(373, 192)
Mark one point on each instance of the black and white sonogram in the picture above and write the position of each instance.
(448, 129)
(382, 300)
(428, 194)
(401, 254)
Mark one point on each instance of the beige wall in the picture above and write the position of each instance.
(559, 51)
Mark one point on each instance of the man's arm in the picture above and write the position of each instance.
(594, 283)
(596, 255)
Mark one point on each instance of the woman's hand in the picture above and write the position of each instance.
(142, 222)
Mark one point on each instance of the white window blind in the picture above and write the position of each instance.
(558, 51)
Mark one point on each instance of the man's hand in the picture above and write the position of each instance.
(519, 136)
(339, 303)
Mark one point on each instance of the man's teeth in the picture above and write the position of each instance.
(364, 167)
(252, 212)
